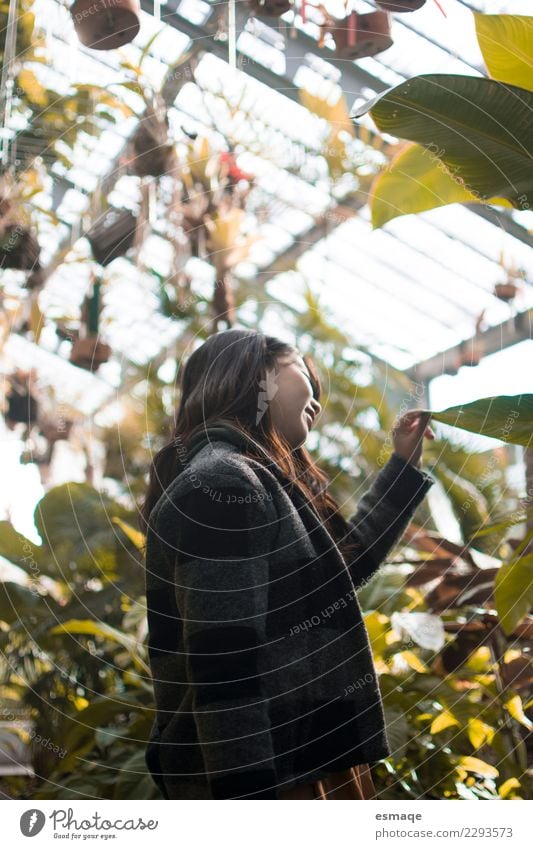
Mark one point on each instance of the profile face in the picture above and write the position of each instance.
(293, 407)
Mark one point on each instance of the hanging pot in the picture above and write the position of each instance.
(506, 291)
(270, 8)
(400, 5)
(54, 430)
(106, 24)
(358, 35)
(89, 353)
(152, 153)
(112, 236)
(22, 406)
(18, 248)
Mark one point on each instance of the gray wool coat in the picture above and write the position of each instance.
(261, 663)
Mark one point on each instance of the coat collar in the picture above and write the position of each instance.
(222, 431)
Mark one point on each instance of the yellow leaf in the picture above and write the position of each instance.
(36, 318)
(516, 709)
(480, 659)
(506, 42)
(479, 732)
(479, 766)
(378, 628)
(505, 788)
(34, 90)
(442, 721)
(414, 662)
(415, 181)
(136, 537)
(336, 112)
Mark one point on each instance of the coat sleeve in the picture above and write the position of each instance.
(226, 531)
(384, 512)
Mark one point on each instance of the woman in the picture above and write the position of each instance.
(263, 675)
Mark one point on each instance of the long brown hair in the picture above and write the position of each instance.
(222, 381)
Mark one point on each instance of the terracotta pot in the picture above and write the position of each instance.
(362, 35)
(505, 291)
(112, 236)
(106, 24)
(89, 353)
(400, 5)
(18, 248)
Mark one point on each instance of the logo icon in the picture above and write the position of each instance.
(32, 822)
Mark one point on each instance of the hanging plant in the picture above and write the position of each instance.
(19, 248)
(106, 26)
(88, 352)
(152, 152)
(113, 235)
(507, 290)
(358, 35)
(21, 404)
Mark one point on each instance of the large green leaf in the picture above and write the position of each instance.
(513, 592)
(17, 602)
(479, 128)
(506, 42)
(15, 547)
(505, 417)
(416, 181)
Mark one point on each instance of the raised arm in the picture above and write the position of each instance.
(384, 512)
(221, 586)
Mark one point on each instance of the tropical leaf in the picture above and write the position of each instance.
(505, 417)
(479, 128)
(415, 181)
(506, 42)
(513, 592)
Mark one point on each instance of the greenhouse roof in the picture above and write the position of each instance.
(408, 291)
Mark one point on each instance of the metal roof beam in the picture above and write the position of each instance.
(494, 339)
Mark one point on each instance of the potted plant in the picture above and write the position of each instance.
(19, 248)
(152, 152)
(106, 25)
(358, 35)
(113, 235)
(506, 291)
(21, 404)
(88, 352)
